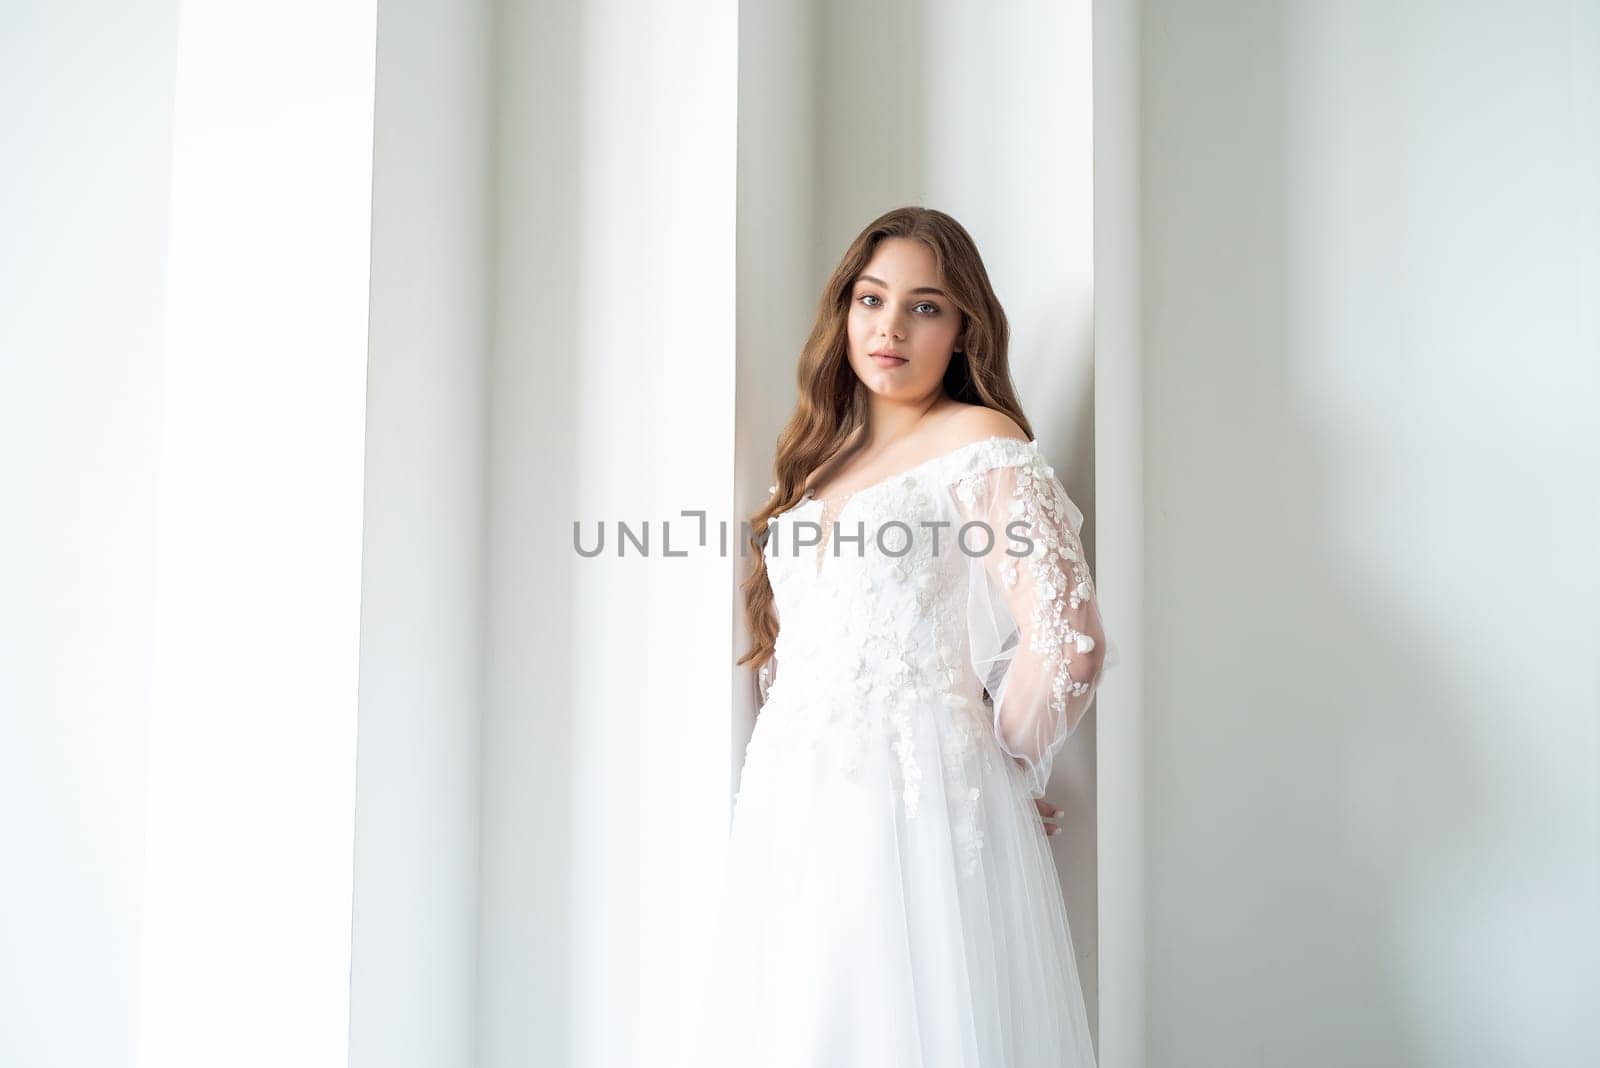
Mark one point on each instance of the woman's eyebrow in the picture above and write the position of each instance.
(919, 289)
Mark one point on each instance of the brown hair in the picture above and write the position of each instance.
(833, 401)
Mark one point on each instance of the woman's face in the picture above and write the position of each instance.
(898, 305)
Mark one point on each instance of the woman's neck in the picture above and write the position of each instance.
(888, 421)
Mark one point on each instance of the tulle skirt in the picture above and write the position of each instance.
(860, 930)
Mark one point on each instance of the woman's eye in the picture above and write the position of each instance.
(933, 309)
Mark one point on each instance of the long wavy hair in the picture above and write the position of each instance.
(833, 400)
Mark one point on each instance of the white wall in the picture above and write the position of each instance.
(83, 207)
(1120, 563)
(414, 939)
(1370, 251)
(605, 752)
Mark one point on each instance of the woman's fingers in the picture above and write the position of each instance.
(1048, 812)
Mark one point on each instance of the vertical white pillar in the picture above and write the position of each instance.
(1119, 534)
(605, 761)
(87, 145)
(414, 939)
(246, 927)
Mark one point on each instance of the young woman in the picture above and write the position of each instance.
(928, 637)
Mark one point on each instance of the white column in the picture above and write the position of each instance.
(247, 898)
(1120, 561)
(605, 760)
(87, 141)
(414, 938)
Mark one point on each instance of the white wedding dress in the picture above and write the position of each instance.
(891, 898)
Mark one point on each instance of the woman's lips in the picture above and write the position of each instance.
(888, 361)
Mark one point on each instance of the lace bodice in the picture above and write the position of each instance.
(962, 576)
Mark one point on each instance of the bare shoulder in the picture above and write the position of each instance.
(974, 422)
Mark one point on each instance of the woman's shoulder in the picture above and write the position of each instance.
(979, 439)
(972, 423)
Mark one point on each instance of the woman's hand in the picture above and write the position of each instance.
(1048, 812)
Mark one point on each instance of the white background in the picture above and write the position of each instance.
(1371, 235)
(1344, 355)
(82, 306)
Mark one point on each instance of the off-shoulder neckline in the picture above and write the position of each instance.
(915, 469)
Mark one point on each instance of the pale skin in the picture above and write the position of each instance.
(899, 304)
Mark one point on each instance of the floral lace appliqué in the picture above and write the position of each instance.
(874, 642)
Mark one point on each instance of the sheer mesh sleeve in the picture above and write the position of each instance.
(1033, 622)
